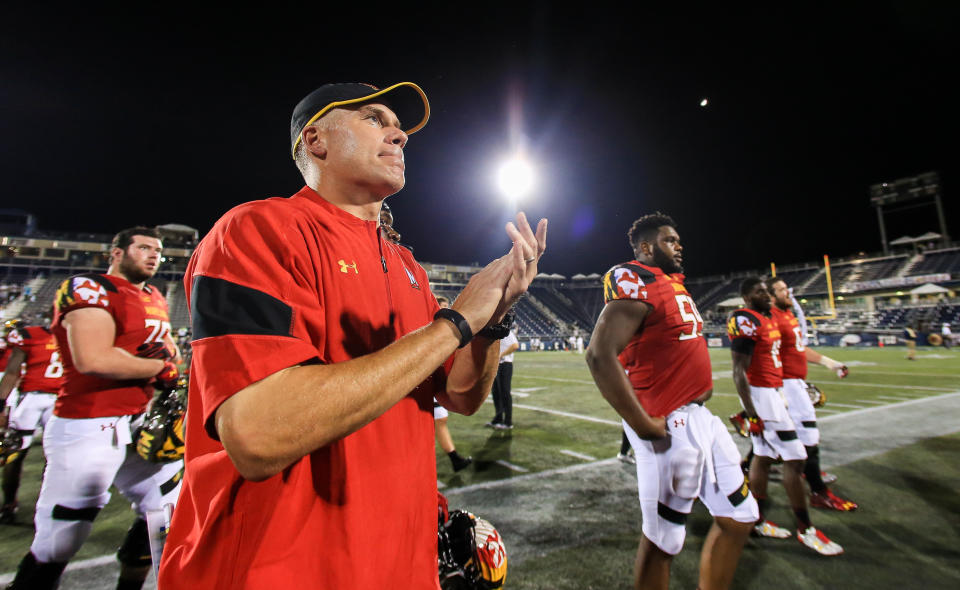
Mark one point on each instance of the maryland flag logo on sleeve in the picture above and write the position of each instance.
(741, 324)
(82, 289)
(624, 282)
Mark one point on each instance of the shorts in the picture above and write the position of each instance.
(33, 409)
(697, 459)
(779, 438)
(801, 411)
(439, 412)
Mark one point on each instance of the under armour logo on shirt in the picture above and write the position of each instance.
(678, 423)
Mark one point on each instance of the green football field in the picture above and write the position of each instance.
(568, 511)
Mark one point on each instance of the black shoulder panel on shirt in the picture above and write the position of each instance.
(219, 307)
(743, 346)
(99, 278)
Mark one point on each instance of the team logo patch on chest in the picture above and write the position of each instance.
(344, 267)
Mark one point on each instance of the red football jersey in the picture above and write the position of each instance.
(278, 283)
(667, 360)
(43, 371)
(140, 316)
(791, 348)
(765, 367)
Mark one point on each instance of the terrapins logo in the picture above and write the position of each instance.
(745, 326)
(14, 337)
(89, 290)
(344, 266)
(629, 284)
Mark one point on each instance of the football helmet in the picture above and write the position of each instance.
(817, 397)
(10, 446)
(471, 555)
(160, 438)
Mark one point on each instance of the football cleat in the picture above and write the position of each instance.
(768, 529)
(8, 513)
(460, 463)
(627, 457)
(831, 501)
(819, 542)
(828, 478)
(739, 421)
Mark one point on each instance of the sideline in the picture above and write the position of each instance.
(831, 459)
(893, 409)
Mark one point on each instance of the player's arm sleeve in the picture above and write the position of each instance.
(627, 281)
(250, 286)
(87, 290)
(743, 331)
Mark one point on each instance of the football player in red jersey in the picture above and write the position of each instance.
(755, 342)
(795, 355)
(650, 326)
(114, 338)
(35, 349)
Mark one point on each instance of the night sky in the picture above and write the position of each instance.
(110, 119)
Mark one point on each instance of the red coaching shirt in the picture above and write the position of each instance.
(140, 316)
(667, 360)
(44, 371)
(791, 346)
(756, 334)
(278, 283)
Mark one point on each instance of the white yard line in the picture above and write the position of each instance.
(538, 475)
(568, 415)
(891, 386)
(74, 565)
(866, 401)
(512, 467)
(845, 415)
(898, 398)
(557, 379)
(577, 455)
(846, 405)
(859, 372)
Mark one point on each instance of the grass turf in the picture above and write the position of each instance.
(903, 536)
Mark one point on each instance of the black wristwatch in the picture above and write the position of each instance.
(499, 331)
(454, 317)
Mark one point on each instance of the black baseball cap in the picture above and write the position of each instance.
(406, 99)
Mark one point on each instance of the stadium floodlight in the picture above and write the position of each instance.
(704, 102)
(515, 177)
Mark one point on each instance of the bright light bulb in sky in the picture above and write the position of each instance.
(515, 177)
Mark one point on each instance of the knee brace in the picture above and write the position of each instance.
(135, 550)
